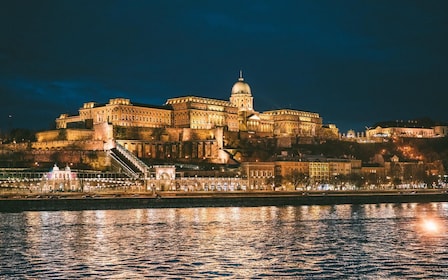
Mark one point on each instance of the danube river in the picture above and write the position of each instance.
(371, 241)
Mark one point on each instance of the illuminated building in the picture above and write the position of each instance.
(195, 112)
(203, 113)
(260, 175)
(62, 180)
(411, 129)
(118, 112)
(187, 127)
(294, 123)
(374, 173)
(286, 167)
(248, 120)
(316, 170)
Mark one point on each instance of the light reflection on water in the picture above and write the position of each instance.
(309, 242)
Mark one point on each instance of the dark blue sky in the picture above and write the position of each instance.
(354, 62)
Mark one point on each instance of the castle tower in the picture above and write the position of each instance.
(241, 95)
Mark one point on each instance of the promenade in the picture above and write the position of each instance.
(123, 200)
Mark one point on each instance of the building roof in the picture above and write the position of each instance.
(241, 87)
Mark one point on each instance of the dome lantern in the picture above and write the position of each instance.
(241, 87)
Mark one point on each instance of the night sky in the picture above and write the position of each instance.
(353, 62)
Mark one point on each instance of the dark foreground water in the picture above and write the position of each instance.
(383, 241)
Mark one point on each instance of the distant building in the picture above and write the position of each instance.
(259, 175)
(262, 175)
(60, 180)
(412, 128)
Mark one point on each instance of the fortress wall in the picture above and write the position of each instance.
(73, 144)
(65, 134)
(96, 159)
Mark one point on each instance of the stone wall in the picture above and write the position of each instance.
(73, 144)
(97, 160)
(65, 134)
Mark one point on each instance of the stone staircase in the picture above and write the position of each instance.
(128, 162)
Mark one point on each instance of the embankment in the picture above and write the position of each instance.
(75, 202)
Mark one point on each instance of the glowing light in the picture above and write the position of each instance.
(430, 225)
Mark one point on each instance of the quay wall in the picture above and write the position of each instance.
(248, 199)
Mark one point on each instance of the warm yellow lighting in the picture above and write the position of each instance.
(431, 226)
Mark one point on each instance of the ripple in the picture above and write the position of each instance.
(235, 243)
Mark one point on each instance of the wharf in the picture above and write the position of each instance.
(104, 201)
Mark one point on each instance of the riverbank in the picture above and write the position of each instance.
(78, 201)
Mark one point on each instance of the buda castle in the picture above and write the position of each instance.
(196, 112)
(204, 122)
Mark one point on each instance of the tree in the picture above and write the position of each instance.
(356, 179)
(296, 178)
(22, 135)
(396, 181)
(270, 181)
(338, 180)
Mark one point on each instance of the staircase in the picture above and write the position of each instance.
(231, 160)
(129, 163)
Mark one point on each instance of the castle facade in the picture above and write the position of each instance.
(193, 112)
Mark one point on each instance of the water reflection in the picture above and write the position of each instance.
(339, 241)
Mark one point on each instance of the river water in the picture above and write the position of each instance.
(372, 241)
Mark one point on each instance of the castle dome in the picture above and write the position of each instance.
(241, 87)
